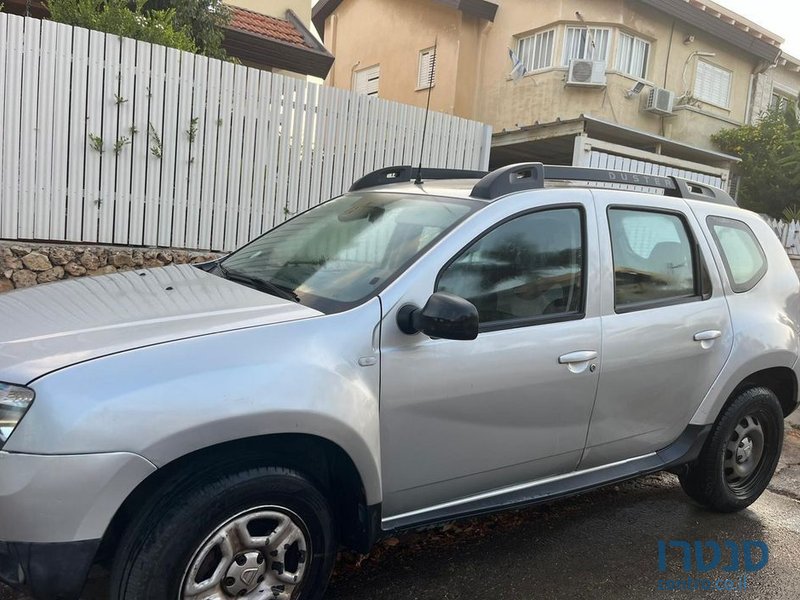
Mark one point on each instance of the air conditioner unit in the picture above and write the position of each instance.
(660, 101)
(587, 72)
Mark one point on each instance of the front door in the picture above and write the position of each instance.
(459, 418)
(666, 327)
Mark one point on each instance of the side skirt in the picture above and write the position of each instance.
(682, 451)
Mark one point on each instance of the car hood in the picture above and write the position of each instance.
(52, 326)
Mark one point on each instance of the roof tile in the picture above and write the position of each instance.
(270, 27)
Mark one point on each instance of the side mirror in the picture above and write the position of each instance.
(444, 316)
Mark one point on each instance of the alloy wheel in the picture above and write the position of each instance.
(259, 554)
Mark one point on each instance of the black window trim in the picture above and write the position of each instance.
(699, 266)
(738, 288)
(538, 320)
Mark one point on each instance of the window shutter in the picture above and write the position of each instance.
(426, 76)
(367, 81)
(712, 84)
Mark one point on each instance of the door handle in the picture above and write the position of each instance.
(707, 336)
(577, 357)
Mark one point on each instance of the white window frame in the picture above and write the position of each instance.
(710, 99)
(785, 94)
(366, 86)
(624, 63)
(565, 57)
(425, 78)
(537, 57)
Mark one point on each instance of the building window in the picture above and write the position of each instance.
(536, 51)
(588, 43)
(366, 81)
(633, 54)
(712, 84)
(782, 100)
(426, 75)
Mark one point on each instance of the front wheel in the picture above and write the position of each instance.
(263, 533)
(740, 456)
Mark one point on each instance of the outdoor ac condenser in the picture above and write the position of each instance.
(587, 73)
(660, 101)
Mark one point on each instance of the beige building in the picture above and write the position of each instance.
(637, 84)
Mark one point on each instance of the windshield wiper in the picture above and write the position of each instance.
(261, 285)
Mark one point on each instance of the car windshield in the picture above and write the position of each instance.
(343, 251)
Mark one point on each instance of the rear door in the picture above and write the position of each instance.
(666, 325)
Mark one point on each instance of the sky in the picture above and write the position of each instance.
(779, 16)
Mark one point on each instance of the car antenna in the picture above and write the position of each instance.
(418, 180)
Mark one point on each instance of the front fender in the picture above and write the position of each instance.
(165, 401)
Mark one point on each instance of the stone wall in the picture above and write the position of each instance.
(24, 265)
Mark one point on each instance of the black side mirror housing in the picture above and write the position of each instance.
(445, 316)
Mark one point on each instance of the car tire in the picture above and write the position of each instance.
(740, 455)
(264, 532)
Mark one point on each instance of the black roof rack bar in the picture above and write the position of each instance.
(529, 176)
(405, 173)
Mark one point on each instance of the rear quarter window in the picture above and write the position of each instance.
(742, 254)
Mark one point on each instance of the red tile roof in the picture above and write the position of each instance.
(281, 30)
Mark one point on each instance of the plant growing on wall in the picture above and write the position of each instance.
(156, 148)
(96, 143)
(770, 167)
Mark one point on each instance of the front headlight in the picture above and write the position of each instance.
(14, 403)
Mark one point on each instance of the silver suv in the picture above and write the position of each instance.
(407, 354)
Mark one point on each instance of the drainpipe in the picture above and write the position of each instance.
(747, 115)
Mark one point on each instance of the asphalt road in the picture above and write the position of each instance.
(599, 545)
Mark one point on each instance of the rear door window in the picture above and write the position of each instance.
(654, 261)
(742, 255)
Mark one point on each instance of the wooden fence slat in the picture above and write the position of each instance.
(77, 134)
(297, 104)
(234, 166)
(3, 38)
(123, 149)
(184, 131)
(307, 151)
(140, 150)
(44, 132)
(155, 144)
(261, 145)
(273, 141)
(223, 125)
(197, 152)
(28, 124)
(209, 122)
(60, 128)
(9, 193)
(96, 144)
(172, 139)
(247, 210)
(284, 147)
(320, 132)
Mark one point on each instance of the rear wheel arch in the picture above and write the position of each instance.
(781, 380)
(325, 463)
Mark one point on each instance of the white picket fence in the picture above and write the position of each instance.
(789, 234)
(106, 139)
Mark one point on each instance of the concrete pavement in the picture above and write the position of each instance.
(599, 545)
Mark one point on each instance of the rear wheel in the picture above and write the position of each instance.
(740, 456)
(263, 533)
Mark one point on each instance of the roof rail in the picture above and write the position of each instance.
(529, 176)
(405, 173)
